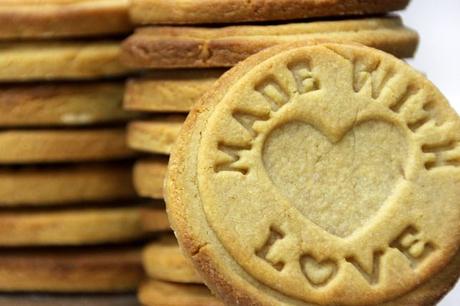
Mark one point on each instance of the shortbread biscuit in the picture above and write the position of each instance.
(65, 60)
(231, 11)
(96, 269)
(158, 293)
(65, 184)
(163, 260)
(148, 177)
(84, 226)
(33, 299)
(169, 91)
(153, 218)
(181, 47)
(49, 146)
(56, 18)
(314, 174)
(155, 135)
(62, 104)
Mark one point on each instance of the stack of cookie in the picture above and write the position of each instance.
(181, 61)
(70, 219)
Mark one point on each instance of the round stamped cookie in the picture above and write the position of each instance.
(54, 146)
(91, 269)
(65, 184)
(62, 104)
(158, 293)
(156, 135)
(163, 260)
(319, 174)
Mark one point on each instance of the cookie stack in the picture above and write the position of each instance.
(181, 61)
(70, 220)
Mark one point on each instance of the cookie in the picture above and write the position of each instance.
(314, 174)
(155, 135)
(182, 47)
(62, 104)
(157, 293)
(163, 260)
(109, 269)
(217, 11)
(56, 19)
(65, 185)
(20, 299)
(84, 226)
(50, 146)
(158, 92)
(153, 218)
(148, 177)
(65, 60)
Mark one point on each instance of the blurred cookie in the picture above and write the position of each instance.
(23, 19)
(95, 269)
(76, 226)
(158, 293)
(65, 184)
(163, 260)
(155, 135)
(314, 173)
(168, 91)
(69, 145)
(62, 104)
(153, 217)
(148, 177)
(230, 11)
(183, 47)
(64, 60)
(33, 299)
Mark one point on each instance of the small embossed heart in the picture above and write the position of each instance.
(338, 186)
(318, 273)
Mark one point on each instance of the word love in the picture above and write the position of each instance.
(320, 273)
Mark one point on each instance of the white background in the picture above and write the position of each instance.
(438, 23)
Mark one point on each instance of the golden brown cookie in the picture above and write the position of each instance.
(31, 299)
(65, 60)
(319, 174)
(181, 47)
(96, 269)
(72, 145)
(76, 226)
(218, 11)
(155, 135)
(62, 104)
(148, 177)
(158, 92)
(56, 18)
(65, 185)
(153, 217)
(163, 260)
(158, 293)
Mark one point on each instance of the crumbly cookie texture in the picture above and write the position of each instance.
(32, 19)
(154, 292)
(148, 177)
(67, 104)
(192, 47)
(64, 60)
(48, 146)
(314, 174)
(163, 260)
(158, 92)
(154, 136)
(93, 269)
(231, 11)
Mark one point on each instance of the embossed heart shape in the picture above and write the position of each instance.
(317, 273)
(339, 185)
